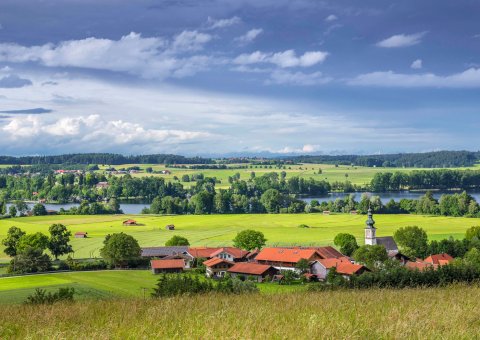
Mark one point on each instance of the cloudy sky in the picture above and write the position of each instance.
(238, 76)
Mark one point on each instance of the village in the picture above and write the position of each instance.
(272, 263)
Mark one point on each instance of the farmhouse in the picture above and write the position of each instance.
(202, 252)
(433, 261)
(343, 266)
(101, 185)
(167, 266)
(286, 258)
(230, 254)
(439, 259)
(81, 234)
(217, 267)
(174, 252)
(170, 227)
(247, 269)
(130, 222)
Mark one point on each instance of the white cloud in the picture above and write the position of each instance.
(284, 59)
(153, 57)
(466, 79)
(249, 36)
(92, 130)
(190, 41)
(222, 23)
(331, 17)
(89, 114)
(417, 64)
(402, 40)
(282, 77)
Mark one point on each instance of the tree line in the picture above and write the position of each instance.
(104, 158)
(437, 159)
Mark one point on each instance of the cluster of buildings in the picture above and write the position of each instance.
(270, 262)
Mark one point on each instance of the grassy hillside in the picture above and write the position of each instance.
(214, 230)
(447, 313)
(97, 284)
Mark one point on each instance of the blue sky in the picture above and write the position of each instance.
(218, 77)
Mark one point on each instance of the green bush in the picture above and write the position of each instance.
(40, 296)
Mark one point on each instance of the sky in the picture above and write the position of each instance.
(239, 77)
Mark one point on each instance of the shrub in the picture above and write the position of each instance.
(40, 296)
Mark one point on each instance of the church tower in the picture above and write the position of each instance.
(370, 230)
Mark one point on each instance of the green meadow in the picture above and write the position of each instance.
(105, 284)
(356, 174)
(217, 230)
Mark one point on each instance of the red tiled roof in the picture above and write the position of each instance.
(129, 222)
(332, 262)
(81, 233)
(249, 268)
(167, 264)
(204, 252)
(439, 259)
(235, 252)
(327, 252)
(216, 260)
(420, 265)
(290, 255)
(349, 268)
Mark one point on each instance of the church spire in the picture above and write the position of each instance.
(370, 222)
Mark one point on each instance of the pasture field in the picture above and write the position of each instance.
(219, 230)
(357, 174)
(103, 284)
(434, 313)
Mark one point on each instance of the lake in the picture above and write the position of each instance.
(387, 196)
(127, 208)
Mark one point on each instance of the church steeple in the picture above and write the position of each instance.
(370, 222)
(370, 230)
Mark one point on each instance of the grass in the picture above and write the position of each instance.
(216, 230)
(99, 284)
(94, 284)
(357, 174)
(446, 313)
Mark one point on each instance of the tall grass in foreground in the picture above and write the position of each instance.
(450, 312)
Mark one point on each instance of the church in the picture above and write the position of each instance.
(386, 241)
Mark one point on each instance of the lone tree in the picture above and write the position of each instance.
(249, 240)
(59, 238)
(12, 211)
(302, 266)
(14, 235)
(346, 242)
(120, 249)
(177, 241)
(371, 256)
(39, 210)
(413, 240)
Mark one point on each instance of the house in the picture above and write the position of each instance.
(286, 258)
(52, 212)
(343, 266)
(202, 252)
(167, 266)
(130, 222)
(166, 172)
(418, 265)
(230, 254)
(326, 212)
(169, 253)
(81, 234)
(248, 269)
(433, 261)
(327, 252)
(217, 267)
(250, 257)
(439, 259)
(170, 227)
